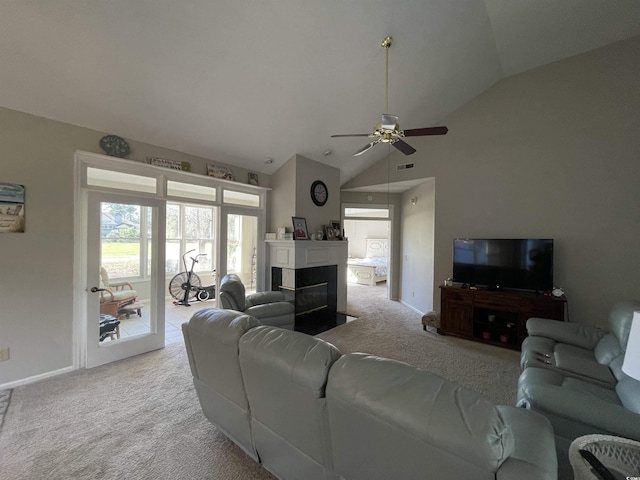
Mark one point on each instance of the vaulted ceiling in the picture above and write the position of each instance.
(240, 81)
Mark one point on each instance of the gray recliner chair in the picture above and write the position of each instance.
(268, 307)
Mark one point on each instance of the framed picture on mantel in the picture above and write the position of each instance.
(300, 228)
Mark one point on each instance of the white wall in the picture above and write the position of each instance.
(552, 152)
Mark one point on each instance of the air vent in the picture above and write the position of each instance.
(404, 166)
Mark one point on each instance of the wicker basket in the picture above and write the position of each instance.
(620, 455)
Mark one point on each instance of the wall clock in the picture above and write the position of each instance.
(319, 193)
(114, 146)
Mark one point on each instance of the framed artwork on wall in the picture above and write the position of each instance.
(11, 208)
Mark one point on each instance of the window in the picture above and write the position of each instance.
(189, 227)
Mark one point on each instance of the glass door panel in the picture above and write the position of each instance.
(242, 243)
(124, 317)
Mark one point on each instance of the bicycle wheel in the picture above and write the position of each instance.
(178, 285)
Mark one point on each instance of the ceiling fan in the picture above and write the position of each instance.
(388, 130)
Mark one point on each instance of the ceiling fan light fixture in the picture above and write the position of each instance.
(388, 130)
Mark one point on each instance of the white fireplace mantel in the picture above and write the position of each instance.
(297, 254)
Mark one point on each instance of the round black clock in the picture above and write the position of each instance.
(114, 146)
(319, 193)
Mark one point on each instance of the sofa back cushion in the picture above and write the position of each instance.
(390, 419)
(285, 374)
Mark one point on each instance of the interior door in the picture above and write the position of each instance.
(125, 276)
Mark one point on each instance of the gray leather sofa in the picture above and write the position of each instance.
(268, 307)
(572, 374)
(312, 413)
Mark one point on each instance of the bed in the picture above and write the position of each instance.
(373, 268)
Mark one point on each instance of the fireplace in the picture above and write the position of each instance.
(312, 275)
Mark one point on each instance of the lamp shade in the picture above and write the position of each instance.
(631, 365)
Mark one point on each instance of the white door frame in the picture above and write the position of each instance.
(99, 353)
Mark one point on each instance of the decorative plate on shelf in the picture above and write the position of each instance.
(114, 146)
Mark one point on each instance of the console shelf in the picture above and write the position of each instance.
(495, 317)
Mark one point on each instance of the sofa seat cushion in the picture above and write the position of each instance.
(540, 376)
(571, 360)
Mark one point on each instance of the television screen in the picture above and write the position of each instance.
(520, 263)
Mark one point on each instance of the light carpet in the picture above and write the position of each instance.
(140, 418)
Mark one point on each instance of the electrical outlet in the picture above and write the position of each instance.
(4, 354)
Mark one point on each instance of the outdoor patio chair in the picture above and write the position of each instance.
(114, 295)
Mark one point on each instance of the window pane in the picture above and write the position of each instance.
(122, 181)
(198, 222)
(173, 259)
(120, 239)
(187, 190)
(367, 212)
(241, 198)
(173, 221)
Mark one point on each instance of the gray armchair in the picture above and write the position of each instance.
(270, 308)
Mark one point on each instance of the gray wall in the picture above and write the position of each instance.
(552, 152)
(291, 194)
(416, 243)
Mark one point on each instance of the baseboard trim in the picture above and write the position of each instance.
(36, 378)
(411, 307)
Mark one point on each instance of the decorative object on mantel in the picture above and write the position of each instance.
(300, 228)
(281, 232)
(219, 171)
(253, 178)
(114, 146)
(329, 233)
(173, 164)
(269, 236)
(337, 229)
(11, 208)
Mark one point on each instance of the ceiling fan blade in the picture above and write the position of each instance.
(416, 132)
(352, 135)
(404, 147)
(389, 121)
(364, 149)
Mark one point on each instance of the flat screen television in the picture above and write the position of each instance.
(499, 263)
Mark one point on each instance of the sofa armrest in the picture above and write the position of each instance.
(267, 310)
(580, 414)
(260, 298)
(584, 336)
(534, 452)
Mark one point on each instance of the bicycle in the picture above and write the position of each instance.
(187, 285)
